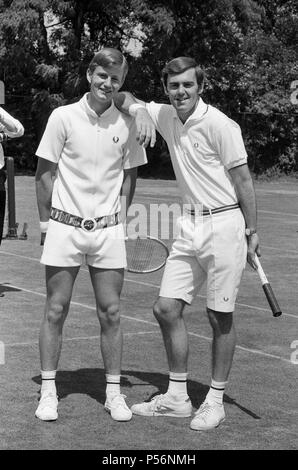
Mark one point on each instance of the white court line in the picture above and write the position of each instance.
(78, 338)
(291, 214)
(18, 256)
(148, 284)
(276, 190)
(78, 304)
(254, 351)
(288, 250)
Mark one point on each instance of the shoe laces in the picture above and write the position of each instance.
(47, 399)
(119, 400)
(205, 409)
(156, 402)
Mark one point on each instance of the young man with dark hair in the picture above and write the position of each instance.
(215, 238)
(88, 159)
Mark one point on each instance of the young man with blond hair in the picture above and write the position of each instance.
(88, 159)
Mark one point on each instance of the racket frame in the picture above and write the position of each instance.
(156, 240)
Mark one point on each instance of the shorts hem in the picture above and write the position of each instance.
(186, 298)
(105, 267)
(220, 309)
(59, 265)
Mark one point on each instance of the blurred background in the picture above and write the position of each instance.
(248, 49)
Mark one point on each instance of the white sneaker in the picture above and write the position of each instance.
(117, 408)
(164, 405)
(208, 416)
(47, 408)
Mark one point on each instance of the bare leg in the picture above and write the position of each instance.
(223, 345)
(211, 413)
(59, 283)
(168, 313)
(107, 285)
(175, 402)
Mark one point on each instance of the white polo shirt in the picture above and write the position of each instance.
(7, 119)
(91, 152)
(202, 151)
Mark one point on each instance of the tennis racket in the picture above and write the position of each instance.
(276, 310)
(145, 254)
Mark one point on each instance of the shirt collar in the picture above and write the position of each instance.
(198, 113)
(84, 103)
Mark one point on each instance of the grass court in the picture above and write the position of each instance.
(261, 397)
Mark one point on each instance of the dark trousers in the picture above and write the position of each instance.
(2, 200)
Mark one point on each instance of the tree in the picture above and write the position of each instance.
(249, 52)
(271, 118)
(248, 49)
(45, 47)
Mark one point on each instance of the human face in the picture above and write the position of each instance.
(104, 84)
(183, 92)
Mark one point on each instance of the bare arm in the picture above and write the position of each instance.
(45, 173)
(11, 126)
(146, 132)
(243, 183)
(128, 190)
(124, 99)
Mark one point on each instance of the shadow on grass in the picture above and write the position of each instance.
(92, 382)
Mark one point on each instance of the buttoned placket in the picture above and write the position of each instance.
(98, 124)
(182, 131)
(96, 152)
(182, 139)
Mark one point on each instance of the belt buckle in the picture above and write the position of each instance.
(88, 225)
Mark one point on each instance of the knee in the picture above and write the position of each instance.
(221, 322)
(109, 315)
(54, 312)
(164, 311)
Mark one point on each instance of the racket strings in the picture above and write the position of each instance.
(145, 254)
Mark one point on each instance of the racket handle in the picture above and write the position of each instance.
(275, 308)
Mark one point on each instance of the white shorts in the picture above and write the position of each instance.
(212, 248)
(67, 246)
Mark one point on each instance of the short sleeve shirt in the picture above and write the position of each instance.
(91, 152)
(202, 150)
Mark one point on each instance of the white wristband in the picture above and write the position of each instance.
(44, 226)
(132, 109)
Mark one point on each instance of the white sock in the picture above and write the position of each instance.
(216, 392)
(113, 384)
(177, 383)
(48, 384)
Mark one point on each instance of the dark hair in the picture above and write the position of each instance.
(180, 65)
(107, 57)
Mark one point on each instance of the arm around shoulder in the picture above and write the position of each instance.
(128, 104)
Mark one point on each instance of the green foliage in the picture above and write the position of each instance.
(248, 49)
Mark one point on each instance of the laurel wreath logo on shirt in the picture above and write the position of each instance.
(115, 139)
